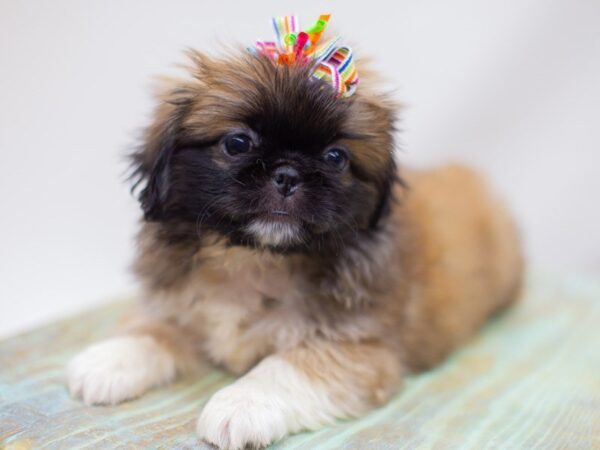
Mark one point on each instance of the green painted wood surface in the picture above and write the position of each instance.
(530, 380)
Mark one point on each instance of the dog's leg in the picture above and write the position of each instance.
(303, 388)
(148, 354)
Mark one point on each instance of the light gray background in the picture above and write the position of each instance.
(511, 87)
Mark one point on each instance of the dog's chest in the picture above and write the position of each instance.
(253, 280)
(244, 304)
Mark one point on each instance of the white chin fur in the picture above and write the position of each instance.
(119, 369)
(274, 233)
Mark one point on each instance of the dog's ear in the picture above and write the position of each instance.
(375, 117)
(385, 194)
(150, 162)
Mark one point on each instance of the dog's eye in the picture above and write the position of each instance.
(237, 144)
(337, 157)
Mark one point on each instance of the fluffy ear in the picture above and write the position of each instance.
(385, 194)
(377, 116)
(150, 163)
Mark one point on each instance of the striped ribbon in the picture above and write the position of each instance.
(334, 65)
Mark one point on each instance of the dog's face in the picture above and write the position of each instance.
(267, 156)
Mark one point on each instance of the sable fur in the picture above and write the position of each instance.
(390, 274)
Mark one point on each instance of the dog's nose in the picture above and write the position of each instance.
(286, 179)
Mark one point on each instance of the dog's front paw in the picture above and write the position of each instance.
(119, 369)
(242, 415)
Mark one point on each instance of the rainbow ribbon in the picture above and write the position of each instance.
(334, 65)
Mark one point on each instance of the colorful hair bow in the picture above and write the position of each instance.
(334, 65)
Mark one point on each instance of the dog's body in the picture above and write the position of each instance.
(322, 326)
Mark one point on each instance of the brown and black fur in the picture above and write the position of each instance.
(296, 117)
(393, 270)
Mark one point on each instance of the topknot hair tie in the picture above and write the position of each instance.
(334, 64)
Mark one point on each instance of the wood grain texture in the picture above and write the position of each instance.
(530, 380)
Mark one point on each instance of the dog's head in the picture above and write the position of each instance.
(267, 156)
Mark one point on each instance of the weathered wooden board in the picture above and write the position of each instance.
(530, 380)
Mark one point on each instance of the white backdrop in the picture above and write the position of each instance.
(512, 87)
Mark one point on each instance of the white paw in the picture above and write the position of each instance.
(272, 400)
(118, 369)
(242, 415)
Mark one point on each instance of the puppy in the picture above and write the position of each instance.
(281, 241)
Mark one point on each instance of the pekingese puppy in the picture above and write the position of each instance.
(281, 241)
